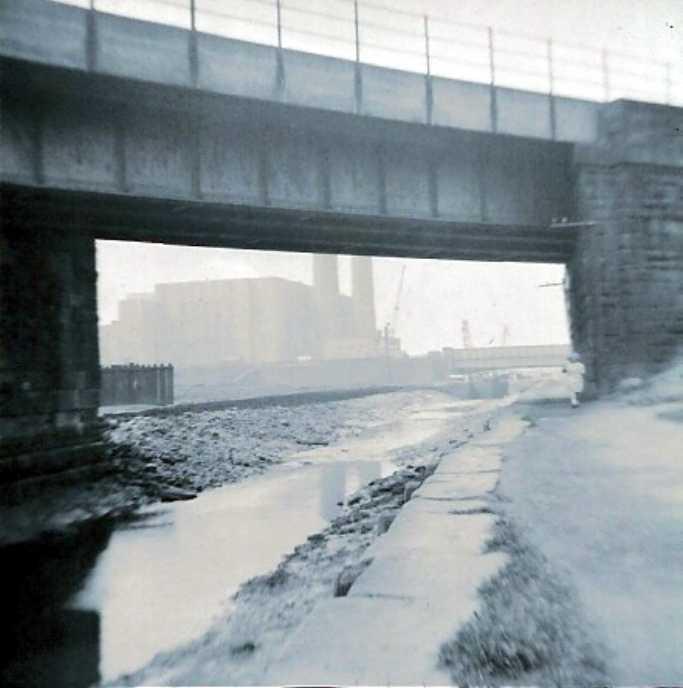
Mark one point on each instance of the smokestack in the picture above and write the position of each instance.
(363, 295)
(326, 295)
(325, 278)
(466, 336)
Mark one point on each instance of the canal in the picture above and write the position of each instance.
(91, 604)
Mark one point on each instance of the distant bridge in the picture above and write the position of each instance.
(505, 358)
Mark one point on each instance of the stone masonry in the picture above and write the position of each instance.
(49, 367)
(626, 277)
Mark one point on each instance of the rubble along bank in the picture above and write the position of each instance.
(200, 450)
(164, 457)
(268, 609)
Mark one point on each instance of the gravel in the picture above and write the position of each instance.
(195, 451)
(167, 457)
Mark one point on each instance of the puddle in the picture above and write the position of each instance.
(162, 579)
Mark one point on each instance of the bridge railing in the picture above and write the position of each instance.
(371, 33)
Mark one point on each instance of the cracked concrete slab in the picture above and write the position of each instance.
(471, 507)
(420, 588)
(444, 506)
(470, 460)
(412, 563)
(454, 487)
(507, 429)
(441, 532)
(365, 641)
(427, 506)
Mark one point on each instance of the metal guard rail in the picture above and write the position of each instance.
(493, 57)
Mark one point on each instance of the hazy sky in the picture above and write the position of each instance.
(651, 28)
(437, 295)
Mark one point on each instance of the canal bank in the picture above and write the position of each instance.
(486, 574)
(249, 643)
(161, 577)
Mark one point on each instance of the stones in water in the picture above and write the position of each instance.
(409, 488)
(176, 494)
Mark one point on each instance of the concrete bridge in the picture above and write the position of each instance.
(505, 358)
(121, 129)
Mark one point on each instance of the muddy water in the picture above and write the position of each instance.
(160, 580)
(100, 603)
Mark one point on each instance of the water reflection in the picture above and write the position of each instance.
(162, 581)
(332, 488)
(50, 644)
(96, 603)
(61, 649)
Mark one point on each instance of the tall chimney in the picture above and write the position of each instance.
(326, 295)
(363, 295)
(325, 277)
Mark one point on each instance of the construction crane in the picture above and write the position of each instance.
(397, 303)
(466, 336)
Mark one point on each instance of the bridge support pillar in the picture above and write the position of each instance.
(49, 363)
(626, 277)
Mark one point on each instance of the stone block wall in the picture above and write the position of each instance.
(626, 277)
(49, 367)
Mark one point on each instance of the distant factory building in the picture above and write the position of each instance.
(256, 320)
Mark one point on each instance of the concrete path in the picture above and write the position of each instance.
(420, 588)
(600, 491)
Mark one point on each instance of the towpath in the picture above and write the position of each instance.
(599, 491)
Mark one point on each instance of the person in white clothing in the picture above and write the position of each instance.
(574, 371)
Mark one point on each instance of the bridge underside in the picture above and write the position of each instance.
(176, 165)
(201, 223)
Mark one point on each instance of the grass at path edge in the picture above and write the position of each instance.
(529, 628)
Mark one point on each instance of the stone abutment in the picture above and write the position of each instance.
(49, 362)
(626, 276)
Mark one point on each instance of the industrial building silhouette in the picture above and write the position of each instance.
(254, 320)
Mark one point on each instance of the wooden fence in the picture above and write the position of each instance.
(137, 384)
